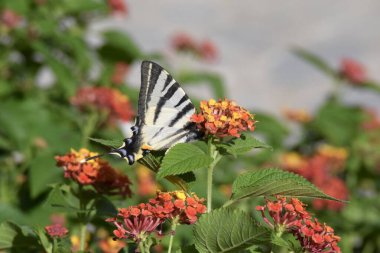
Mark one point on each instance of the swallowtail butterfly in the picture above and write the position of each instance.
(163, 120)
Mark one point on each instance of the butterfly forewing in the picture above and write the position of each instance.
(164, 109)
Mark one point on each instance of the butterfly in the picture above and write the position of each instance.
(163, 117)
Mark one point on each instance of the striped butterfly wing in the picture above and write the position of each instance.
(164, 109)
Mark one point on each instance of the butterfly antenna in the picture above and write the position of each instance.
(92, 157)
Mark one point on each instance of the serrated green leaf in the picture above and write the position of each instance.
(108, 143)
(227, 230)
(182, 158)
(153, 161)
(241, 145)
(270, 182)
(316, 61)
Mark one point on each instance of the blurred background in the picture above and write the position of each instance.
(254, 39)
(309, 71)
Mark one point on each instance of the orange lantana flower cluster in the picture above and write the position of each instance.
(223, 118)
(95, 172)
(104, 98)
(291, 216)
(135, 222)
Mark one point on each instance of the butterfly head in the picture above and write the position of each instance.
(124, 151)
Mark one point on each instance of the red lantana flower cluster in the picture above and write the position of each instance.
(291, 216)
(321, 169)
(95, 172)
(206, 49)
(10, 19)
(137, 222)
(223, 118)
(353, 71)
(104, 98)
(118, 7)
(56, 230)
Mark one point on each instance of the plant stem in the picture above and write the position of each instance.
(173, 228)
(89, 128)
(214, 154)
(83, 218)
(82, 237)
(209, 187)
(55, 243)
(142, 247)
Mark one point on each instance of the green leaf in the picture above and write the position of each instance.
(19, 239)
(104, 207)
(8, 232)
(287, 241)
(316, 61)
(73, 6)
(242, 145)
(270, 182)
(271, 128)
(371, 85)
(182, 158)
(43, 172)
(226, 230)
(152, 160)
(44, 239)
(62, 199)
(11, 213)
(338, 123)
(108, 143)
(119, 46)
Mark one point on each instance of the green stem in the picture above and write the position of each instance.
(89, 128)
(142, 247)
(55, 244)
(4, 187)
(209, 187)
(173, 228)
(214, 154)
(83, 218)
(82, 237)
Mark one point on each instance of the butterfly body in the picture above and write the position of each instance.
(164, 112)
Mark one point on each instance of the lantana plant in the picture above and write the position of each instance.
(226, 129)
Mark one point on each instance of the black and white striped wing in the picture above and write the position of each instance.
(164, 109)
